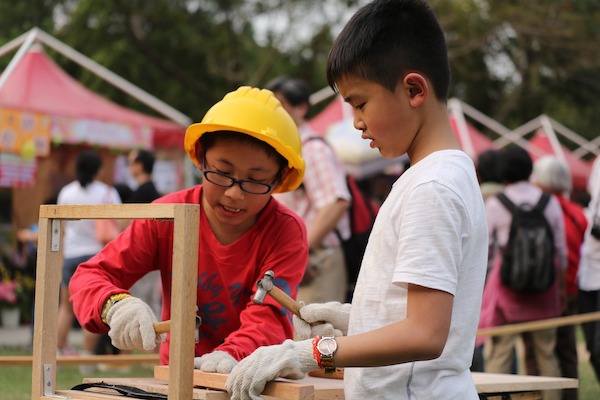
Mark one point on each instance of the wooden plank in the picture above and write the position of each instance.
(158, 386)
(540, 324)
(183, 301)
(537, 395)
(79, 395)
(45, 335)
(510, 383)
(280, 389)
(111, 211)
(122, 359)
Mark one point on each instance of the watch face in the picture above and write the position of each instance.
(327, 346)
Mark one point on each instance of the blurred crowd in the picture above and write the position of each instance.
(511, 172)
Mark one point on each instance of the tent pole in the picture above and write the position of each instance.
(31, 36)
(461, 125)
(549, 131)
(590, 147)
(484, 119)
(574, 137)
(321, 95)
(115, 79)
(16, 42)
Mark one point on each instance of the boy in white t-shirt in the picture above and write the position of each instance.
(410, 330)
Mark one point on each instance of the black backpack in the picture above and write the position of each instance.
(528, 259)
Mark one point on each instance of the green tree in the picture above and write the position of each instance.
(514, 60)
(190, 53)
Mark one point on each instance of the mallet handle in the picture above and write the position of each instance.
(162, 327)
(286, 301)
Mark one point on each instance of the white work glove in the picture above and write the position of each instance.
(332, 319)
(131, 324)
(287, 360)
(217, 361)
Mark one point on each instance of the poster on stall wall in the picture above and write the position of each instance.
(24, 132)
(114, 135)
(17, 172)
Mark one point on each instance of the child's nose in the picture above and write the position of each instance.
(235, 192)
(358, 123)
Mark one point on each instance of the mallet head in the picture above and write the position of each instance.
(264, 286)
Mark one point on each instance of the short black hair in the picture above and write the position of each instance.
(515, 164)
(209, 139)
(488, 166)
(385, 40)
(87, 166)
(145, 158)
(295, 91)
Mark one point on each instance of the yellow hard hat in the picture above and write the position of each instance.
(258, 113)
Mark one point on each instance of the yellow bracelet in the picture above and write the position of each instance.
(110, 302)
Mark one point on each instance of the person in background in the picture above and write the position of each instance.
(141, 165)
(409, 332)
(247, 147)
(490, 184)
(589, 270)
(553, 176)
(488, 173)
(502, 305)
(27, 241)
(80, 243)
(322, 201)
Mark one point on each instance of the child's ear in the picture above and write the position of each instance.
(417, 88)
(284, 174)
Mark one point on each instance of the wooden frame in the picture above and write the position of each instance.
(183, 300)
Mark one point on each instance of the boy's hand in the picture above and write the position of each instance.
(326, 319)
(217, 361)
(131, 324)
(287, 360)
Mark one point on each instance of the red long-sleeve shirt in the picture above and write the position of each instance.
(227, 276)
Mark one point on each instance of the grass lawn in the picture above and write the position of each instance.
(588, 385)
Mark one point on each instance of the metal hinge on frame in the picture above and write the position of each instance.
(55, 236)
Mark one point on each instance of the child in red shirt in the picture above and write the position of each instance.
(247, 147)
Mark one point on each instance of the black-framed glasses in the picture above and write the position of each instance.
(248, 186)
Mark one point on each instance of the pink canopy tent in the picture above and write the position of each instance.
(580, 169)
(77, 114)
(45, 115)
(479, 141)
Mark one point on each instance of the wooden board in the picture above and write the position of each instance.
(307, 388)
(159, 386)
(539, 324)
(509, 383)
(112, 359)
(78, 395)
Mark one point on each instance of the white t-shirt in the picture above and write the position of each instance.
(589, 266)
(430, 231)
(80, 236)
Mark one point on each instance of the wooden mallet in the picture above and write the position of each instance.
(165, 326)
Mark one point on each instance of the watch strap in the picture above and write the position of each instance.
(325, 361)
(110, 302)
